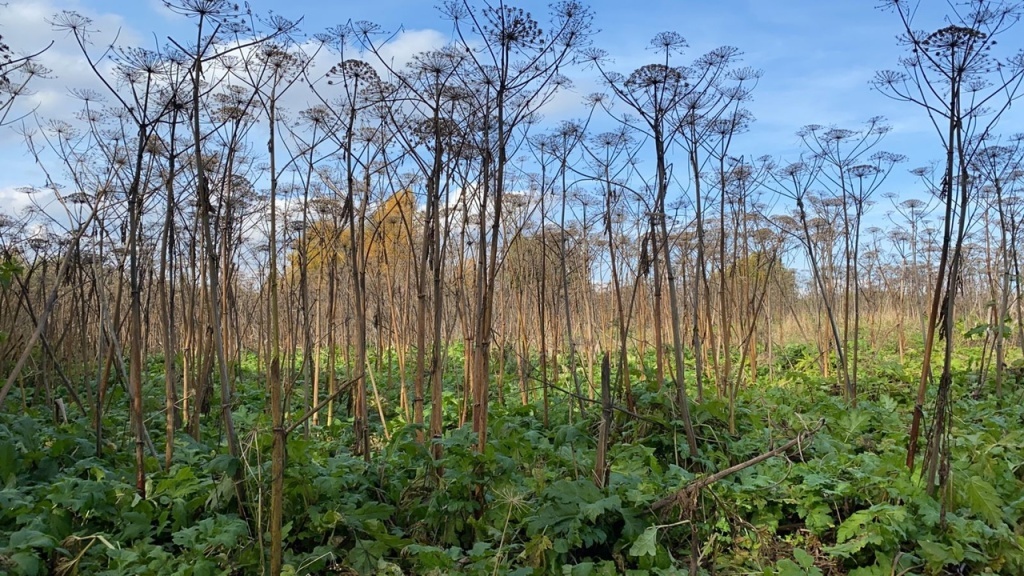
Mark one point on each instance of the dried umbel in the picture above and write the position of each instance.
(318, 116)
(78, 198)
(510, 27)
(72, 22)
(655, 76)
(204, 8)
(358, 72)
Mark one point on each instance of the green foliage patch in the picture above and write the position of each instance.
(842, 503)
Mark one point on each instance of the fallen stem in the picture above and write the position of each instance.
(691, 489)
(320, 406)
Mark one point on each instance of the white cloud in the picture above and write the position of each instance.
(15, 201)
(400, 50)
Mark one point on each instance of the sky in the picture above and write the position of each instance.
(818, 58)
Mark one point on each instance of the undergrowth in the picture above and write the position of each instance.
(841, 503)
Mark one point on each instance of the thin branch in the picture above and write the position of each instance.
(688, 492)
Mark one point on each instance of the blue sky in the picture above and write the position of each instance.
(817, 56)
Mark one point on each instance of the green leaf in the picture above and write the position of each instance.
(978, 330)
(983, 499)
(646, 544)
(935, 554)
(819, 519)
(535, 550)
(880, 525)
(854, 421)
(31, 539)
(27, 563)
(428, 558)
(135, 525)
(876, 570)
(802, 558)
(363, 557)
(787, 567)
(9, 461)
(224, 464)
(595, 509)
(9, 269)
(853, 526)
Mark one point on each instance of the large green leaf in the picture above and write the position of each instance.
(983, 499)
(935, 554)
(646, 544)
(28, 563)
(31, 539)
